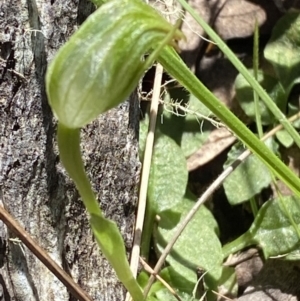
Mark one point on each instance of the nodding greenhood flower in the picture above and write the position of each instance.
(102, 62)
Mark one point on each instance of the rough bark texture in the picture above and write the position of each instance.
(34, 187)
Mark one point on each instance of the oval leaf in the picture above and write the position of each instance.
(196, 129)
(183, 120)
(283, 49)
(197, 247)
(248, 179)
(284, 138)
(165, 295)
(168, 175)
(244, 94)
(273, 229)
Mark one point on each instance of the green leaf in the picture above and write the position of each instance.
(284, 138)
(143, 278)
(183, 287)
(168, 175)
(293, 256)
(165, 295)
(195, 129)
(244, 94)
(101, 63)
(272, 228)
(152, 298)
(197, 106)
(248, 179)
(228, 282)
(182, 120)
(198, 245)
(110, 240)
(294, 109)
(176, 280)
(144, 124)
(275, 229)
(168, 167)
(283, 49)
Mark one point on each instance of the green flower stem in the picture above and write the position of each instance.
(106, 231)
(238, 244)
(242, 69)
(70, 156)
(176, 68)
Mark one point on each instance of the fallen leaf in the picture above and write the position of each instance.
(217, 141)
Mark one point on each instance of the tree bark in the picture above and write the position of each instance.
(33, 185)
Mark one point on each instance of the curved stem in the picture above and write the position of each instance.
(105, 231)
(70, 156)
(238, 244)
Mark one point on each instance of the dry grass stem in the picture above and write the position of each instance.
(146, 170)
(148, 269)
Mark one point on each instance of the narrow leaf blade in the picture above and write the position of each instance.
(111, 243)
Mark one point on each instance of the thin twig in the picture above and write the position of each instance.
(135, 254)
(222, 296)
(148, 269)
(32, 245)
(3, 64)
(211, 189)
